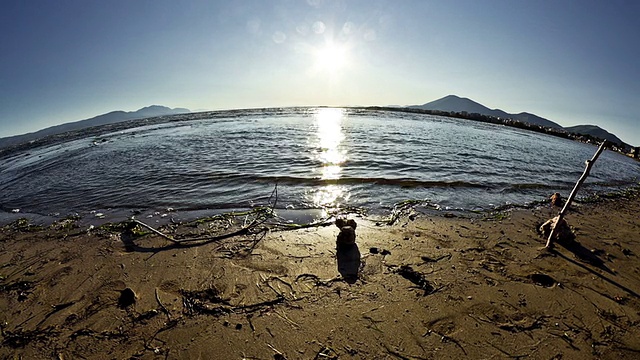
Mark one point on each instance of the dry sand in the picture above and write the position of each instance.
(445, 288)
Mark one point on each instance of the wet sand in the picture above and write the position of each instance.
(426, 287)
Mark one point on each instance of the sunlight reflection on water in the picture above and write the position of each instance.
(331, 156)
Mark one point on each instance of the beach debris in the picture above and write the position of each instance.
(20, 288)
(347, 235)
(20, 338)
(428, 259)
(278, 354)
(397, 354)
(164, 308)
(15, 211)
(100, 335)
(620, 299)
(563, 233)
(556, 199)
(560, 217)
(445, 338)
(403, 208)
(383, 252)
(207, 301)
(415, 277)
(23, 224)
(327, 353)
(254, 227)
(127, 298)
(147, 315)
(316, 279)
(249, 317)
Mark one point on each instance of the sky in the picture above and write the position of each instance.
(572, 62)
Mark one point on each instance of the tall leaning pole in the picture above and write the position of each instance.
(560, 217)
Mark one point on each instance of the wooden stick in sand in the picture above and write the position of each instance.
(564, 210)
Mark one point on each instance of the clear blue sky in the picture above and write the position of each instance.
(573, 62)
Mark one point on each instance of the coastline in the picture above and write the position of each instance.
(449, 287)
(496, 177)
(97, 131)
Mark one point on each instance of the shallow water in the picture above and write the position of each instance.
(320, 158)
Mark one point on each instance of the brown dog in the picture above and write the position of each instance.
(556, 199)
(347, 235)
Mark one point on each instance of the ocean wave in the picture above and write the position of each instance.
(401, 182)
(533, 186)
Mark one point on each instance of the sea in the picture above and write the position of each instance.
(318, 159)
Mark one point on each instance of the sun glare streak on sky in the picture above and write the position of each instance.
(570, 62)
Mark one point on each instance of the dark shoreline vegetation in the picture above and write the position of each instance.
(96, 131)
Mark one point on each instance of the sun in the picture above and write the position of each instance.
(331, 57)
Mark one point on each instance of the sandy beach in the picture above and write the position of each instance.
(427, 287)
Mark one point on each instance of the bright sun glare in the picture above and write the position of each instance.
(331, 57)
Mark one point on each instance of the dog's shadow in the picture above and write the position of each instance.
(349, 262)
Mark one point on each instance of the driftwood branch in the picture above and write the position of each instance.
(564, 210)
(262, 215)
(164, 308)
(255, 227)
(241, 231)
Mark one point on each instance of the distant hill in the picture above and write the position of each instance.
(108, 118)
(452, 103)
(595, 131)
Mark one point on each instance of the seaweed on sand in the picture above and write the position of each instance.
(206, 301)
(20, 338)
(209, 302)
(417, 278)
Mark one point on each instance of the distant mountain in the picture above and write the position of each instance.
(595, 131)
(452, 103)
(108, 118)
